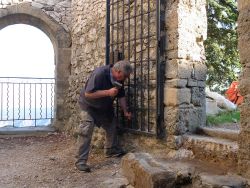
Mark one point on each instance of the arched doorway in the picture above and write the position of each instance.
(27, 77)
(26, 14)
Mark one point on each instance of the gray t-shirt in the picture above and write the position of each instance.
(100, 79)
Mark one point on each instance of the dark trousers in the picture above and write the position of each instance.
(86, 129)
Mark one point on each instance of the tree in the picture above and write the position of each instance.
(221, 45)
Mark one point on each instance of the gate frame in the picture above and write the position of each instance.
(160, 61)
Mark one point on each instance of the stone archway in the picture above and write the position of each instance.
(26, 14)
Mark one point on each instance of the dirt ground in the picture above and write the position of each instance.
(48, 161)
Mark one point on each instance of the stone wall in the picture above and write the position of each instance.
(88, 50)
(185, 67)
(59, 10)
(244, 45)
(185, 70)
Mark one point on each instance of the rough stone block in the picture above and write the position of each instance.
(142, 170)
(212, 149)
(37, 5)
(201, 84)
(178, 69)
(63, 63)
(244, 122)
(223, 181)
(243, 5)
(115, 183)
(173, 122)
(174, 96)
(176, 83)
(200, 71)
(172, 69)
(192, 83)
(244, 167)
(198, 96)
(244, 86)
(140, 173)
(192, 118)
(178, 121)
(174, 142)
(246, 73)
(244, 141)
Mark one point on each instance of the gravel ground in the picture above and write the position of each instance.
(48, 161)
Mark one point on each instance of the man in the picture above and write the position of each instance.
(96, 102)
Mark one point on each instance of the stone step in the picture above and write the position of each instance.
(219, 133)
(144, 171)
(212, 149)
(26, 131)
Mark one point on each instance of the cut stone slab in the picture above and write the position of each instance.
(212, 149)
(144, 171)
(26, 131)
(220, 181)
(115, 183)
(220, 133)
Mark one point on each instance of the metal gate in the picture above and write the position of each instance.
(135, 31)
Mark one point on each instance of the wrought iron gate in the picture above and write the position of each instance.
(135, 31)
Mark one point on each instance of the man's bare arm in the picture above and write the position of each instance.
(123, 104)
(102, 93)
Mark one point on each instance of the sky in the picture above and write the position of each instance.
(25, 51)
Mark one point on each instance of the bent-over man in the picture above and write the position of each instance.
(96, 101)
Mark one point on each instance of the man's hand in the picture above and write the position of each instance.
(102, 93)
(112, 92)
(128, 115)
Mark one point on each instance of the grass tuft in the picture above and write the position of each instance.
(224, 117)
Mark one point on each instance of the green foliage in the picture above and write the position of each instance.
(224, 117)
(221, 45)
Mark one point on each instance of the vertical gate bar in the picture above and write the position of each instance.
(13, 98)
(160, 67)
(107, 35)
(148, 47)
(1, 98)
(41, 100)
(30, 102)
(141, 64)
(117, 33)
(24, 85)
(112, 31)
(117, 48)
(129, 53)
(46, 93)
(19, 100)
(51, 101)
(158, 131)
(8, 88)
(35, 104)
(135, 90)
(123, 29)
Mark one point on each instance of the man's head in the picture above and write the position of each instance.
(121, 70)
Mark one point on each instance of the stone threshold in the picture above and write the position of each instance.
(219, 133)
(26, 131)
(144, 170)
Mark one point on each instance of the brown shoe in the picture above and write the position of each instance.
(114, 152)
(83, 167)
